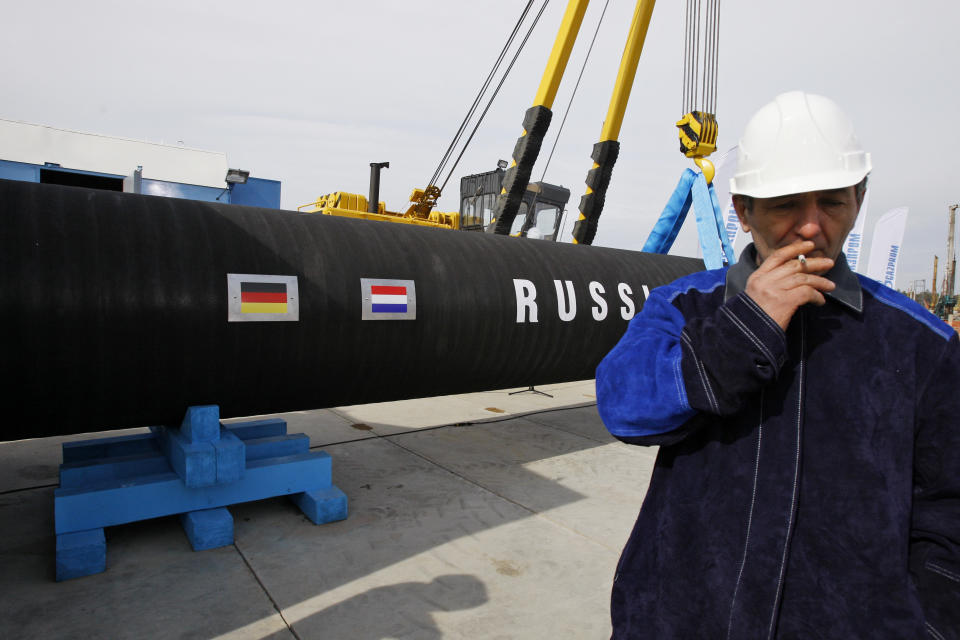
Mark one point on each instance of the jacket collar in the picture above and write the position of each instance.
(847, 292)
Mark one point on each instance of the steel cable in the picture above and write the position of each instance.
(495, 92)
(483, 90)
(700, 69)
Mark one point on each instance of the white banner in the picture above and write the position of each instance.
(853, 247)
(885, 247)
(726, 166)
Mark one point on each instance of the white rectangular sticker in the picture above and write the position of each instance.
(262, 298)
(388, 299)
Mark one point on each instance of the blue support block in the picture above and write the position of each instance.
(208, 529)
(322, 505)
(81, 553)
(202, 464)
(201, 424)
(98, 471)
(77, 509)
(231, 457)
(277, 446)
(258, 428)
(194, 462)
(109, 447)
(170, 471)
(201, 451)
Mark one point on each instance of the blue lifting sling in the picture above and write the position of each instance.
(693, 189)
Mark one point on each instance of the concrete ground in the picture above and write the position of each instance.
(485, 515)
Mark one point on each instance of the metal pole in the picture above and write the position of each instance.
(951, 260)
(373, 202)
(933, 287)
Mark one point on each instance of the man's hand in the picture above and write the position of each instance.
(782, 283)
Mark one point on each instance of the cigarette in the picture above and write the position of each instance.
(803, 259)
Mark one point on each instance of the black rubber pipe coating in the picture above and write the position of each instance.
(114, 310)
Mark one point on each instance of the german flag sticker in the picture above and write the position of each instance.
(262, 298)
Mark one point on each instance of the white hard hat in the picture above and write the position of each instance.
(799, 142)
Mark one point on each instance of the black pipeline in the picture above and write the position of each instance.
(122, 310)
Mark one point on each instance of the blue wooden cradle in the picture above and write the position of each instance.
(195, 470)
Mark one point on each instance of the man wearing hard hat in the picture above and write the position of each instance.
(808, 479)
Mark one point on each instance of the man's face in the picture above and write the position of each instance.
(825, 217)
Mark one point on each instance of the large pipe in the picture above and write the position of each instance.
(116, 309)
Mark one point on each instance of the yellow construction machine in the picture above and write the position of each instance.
(505, 201)
(354, 205)
(540, 215)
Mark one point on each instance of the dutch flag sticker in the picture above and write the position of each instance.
(388, 299)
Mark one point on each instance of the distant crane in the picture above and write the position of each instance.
(951, 265)
(933, 286)
(947, 303)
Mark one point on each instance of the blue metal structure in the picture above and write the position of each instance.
(256, 192)
(22, 171)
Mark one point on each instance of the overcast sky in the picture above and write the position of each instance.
(309, 93)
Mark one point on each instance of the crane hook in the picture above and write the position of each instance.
(707, 168)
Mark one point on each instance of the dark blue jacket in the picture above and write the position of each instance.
(808, 481)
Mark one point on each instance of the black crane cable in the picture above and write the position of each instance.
(496, 91)
(483, 89)
(700, 74)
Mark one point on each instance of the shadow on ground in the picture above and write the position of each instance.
(484, 530)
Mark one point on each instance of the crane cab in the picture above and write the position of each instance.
(539, 216)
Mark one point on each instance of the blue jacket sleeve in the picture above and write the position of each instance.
(678, 364)
(640, 387)
(935, 526)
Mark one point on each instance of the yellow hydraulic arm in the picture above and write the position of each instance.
(537, 119)
(697, 128)
(605, 152)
